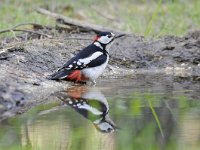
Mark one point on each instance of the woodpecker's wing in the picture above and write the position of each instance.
(91, 56)
(84, 57)
(97, 61)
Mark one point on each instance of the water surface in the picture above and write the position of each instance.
(143, 113)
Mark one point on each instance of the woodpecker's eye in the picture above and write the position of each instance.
(109, 129)
(109, 36)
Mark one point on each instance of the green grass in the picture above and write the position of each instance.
(149, 98)
(149, 18)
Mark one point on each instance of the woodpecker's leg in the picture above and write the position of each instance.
(93, 82)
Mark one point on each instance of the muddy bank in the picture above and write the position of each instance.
(177, 55)
(25, 63)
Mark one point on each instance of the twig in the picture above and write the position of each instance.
(28, 23)
(12, 29)
(77, 23)
(14, 34)
(23, 30)
(5, 49)
(77, 38)
(21, 24)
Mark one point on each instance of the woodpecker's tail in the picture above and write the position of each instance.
(60, 74)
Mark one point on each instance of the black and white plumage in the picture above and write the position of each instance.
(89, 63)
(90, 103)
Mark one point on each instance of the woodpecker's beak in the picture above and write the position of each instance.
(118, 36)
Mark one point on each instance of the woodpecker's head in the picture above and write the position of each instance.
(105, 124)
(104, 37)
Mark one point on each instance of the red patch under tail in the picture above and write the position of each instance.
(76, 76)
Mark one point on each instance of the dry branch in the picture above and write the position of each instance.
(12, 29)
(28, 23)
(76, 23)
(23, 30)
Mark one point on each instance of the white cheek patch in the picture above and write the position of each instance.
(104, 39)
(87, 60)
(104, 126)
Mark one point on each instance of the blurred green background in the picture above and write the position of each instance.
(143, 17)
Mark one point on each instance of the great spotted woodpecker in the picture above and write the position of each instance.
(90, 103)
(89, 63)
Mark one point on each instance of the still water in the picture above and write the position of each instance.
(143, 113)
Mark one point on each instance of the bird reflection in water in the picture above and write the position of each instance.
(90, 103)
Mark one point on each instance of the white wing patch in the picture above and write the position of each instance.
(91, 109)
(78, 63)
(87, 60)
